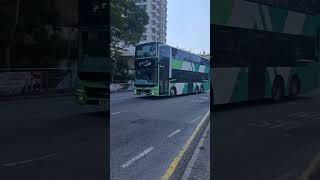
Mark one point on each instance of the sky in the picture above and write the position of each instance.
(189, 24)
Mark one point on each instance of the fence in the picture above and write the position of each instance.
(121, 87)
(36, 81)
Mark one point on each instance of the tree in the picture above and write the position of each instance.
(9, 11)
(27, 19)
(127, 23)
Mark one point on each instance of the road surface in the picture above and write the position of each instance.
(52, 138)
(147, 133)
(262, 140)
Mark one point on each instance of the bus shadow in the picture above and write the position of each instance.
(168, 97)
(97, 114)
(255, 103)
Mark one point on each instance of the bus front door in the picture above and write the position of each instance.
(163, 81)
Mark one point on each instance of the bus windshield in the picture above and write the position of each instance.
(146, 50)
(146, 72)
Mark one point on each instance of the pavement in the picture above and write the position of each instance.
(199, 165)
(35, 95)
(149, 134)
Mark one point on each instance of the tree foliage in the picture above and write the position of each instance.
(127, 23)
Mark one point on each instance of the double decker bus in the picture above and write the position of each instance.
(161, 70)
(94, 67)
(263, 49)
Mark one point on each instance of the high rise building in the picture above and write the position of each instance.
(156, 29)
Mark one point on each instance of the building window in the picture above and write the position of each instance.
(143, 38)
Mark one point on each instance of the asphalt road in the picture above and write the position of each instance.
(52, 138)
(263, 140)
(147, 133)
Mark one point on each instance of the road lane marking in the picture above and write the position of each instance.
(145, 152)
(196, 100)
(28, 161)
(118, 112)
(194, 120)
(278, 125)
(304, 115)
(314, 165)
(204, 97)
(172, 167)
(174, 133)
(194, 157)
(297, 113)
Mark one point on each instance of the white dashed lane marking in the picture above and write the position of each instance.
(194, 120)
(295, 114)
(118, 112)
(174, 133)
(145, 152)
(28, 161)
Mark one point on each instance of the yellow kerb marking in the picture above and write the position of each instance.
(176, 160)
(312, 167)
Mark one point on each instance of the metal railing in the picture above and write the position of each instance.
(20, 81)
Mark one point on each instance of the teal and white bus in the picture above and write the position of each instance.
(263, 49)
(161, 70)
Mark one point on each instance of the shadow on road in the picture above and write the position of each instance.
(167, 97)
(260, 102)
(98, 114)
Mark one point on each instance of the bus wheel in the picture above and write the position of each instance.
(197, 90)
(294, 87)
(173, 92)
(201, 89)
(277, 90)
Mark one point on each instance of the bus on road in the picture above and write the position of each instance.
(161, 70)
(263, 49)
(94, 68)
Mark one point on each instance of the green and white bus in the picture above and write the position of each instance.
(263, 49)
(94, 68)
(161, 70)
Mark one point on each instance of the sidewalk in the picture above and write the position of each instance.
(199, 165)
(35, 95)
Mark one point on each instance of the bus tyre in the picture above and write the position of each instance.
(294, 87)
(197, 90)
(201, 89)
(173, 92)
(277, 90)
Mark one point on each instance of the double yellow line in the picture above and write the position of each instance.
(176, 160)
